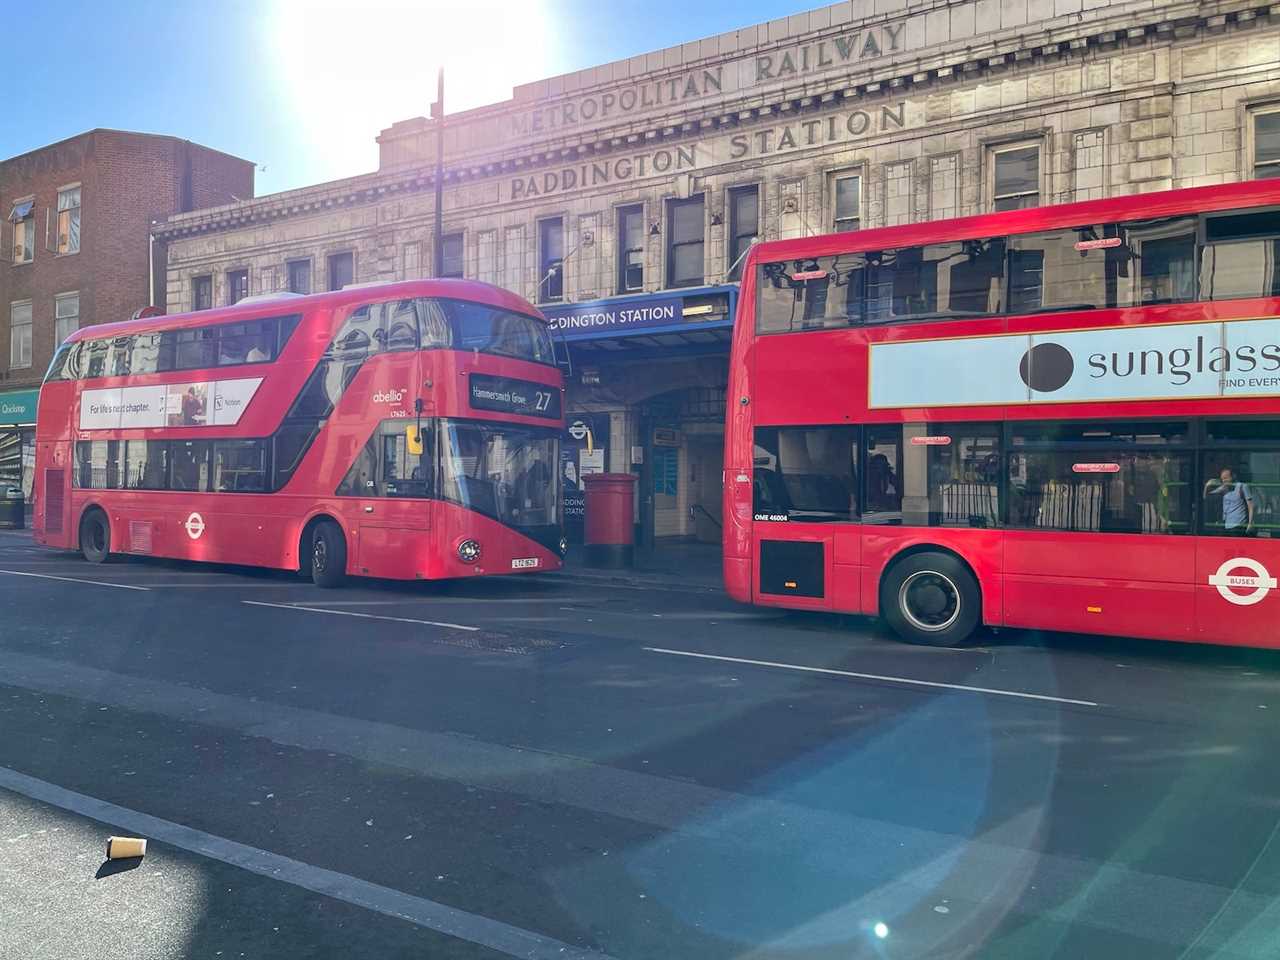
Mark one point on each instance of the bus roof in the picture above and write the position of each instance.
(1146, 206)
(453, 289)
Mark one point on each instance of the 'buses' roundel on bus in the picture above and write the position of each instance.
(1228, 579)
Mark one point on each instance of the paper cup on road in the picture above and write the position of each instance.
(122, 848)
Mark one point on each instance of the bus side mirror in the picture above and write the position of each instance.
(413, 438)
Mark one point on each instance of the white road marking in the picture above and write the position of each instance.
(503, 937)
(365, 616)
(486, 601)
(96, 583)
(691, 615)
(234, 586)
(873, 676)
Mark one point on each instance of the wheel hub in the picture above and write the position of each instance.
(929, 600)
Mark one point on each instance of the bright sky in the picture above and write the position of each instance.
(302, 87)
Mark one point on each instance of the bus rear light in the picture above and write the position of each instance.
(469, 551)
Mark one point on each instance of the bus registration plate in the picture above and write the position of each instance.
(524, 563)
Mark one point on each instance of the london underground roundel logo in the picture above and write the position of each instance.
(1046, 367)
(1258, 581)
(195, 526)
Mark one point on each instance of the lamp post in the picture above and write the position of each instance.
(437, 114)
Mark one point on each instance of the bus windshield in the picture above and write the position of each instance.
(475, 326)
(505, 472)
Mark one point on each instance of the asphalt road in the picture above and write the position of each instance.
(563, 766)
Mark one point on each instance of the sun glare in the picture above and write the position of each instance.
(350, 68)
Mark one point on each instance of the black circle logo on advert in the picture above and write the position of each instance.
(1046, 367)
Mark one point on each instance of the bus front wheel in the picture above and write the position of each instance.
(932, 599)
(95, 536)
(328, 554)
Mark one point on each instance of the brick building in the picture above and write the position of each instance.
(621, 197)
(75, 249)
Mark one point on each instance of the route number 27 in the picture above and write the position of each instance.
(541, 400)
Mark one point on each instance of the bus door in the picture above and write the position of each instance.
(395, 513)
(1100, 530)
(394, 524)
(1238, 554)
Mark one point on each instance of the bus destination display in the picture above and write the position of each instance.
(510, 395)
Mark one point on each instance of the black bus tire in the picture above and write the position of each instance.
(931, 599)
(328, 555)
(95, 536)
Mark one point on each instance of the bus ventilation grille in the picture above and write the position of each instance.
(139, 536)
(54, 493)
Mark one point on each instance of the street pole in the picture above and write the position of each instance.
(437, 114)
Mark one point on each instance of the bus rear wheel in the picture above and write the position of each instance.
(931, 599)
(95, 536)
(328, 554)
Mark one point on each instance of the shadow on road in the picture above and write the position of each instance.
(110, 868)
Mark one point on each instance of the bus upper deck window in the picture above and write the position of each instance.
(811, 293)
(1241, 256)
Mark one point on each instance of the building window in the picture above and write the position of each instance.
(744, 226)
(299, 276)
(202, 293)
(686, 229)
(550, 260)
(846, 201)
(23, 218)
(452, 265)
(631, 248)
(1266, 143)
(20, 334)
(66, 315)
(69, 219)
(237, 285)
(1015, 176)
(341, 270)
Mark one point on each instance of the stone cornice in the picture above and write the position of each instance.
(1170, 23)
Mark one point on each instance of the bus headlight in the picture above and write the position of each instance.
(469, 551)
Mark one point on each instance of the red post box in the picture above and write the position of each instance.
(610, 528)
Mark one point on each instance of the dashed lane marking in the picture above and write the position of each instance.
(910, 681)
(96, 583)
(363, 616)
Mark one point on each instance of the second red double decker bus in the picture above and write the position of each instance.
(1061, 418)
(406, 430)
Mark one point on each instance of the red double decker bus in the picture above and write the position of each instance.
(407, 430)
(1061, 418)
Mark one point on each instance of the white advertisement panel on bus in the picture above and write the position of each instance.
(1237, 358)
(218, 403)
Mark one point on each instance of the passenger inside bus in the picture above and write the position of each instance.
(1234, 503)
